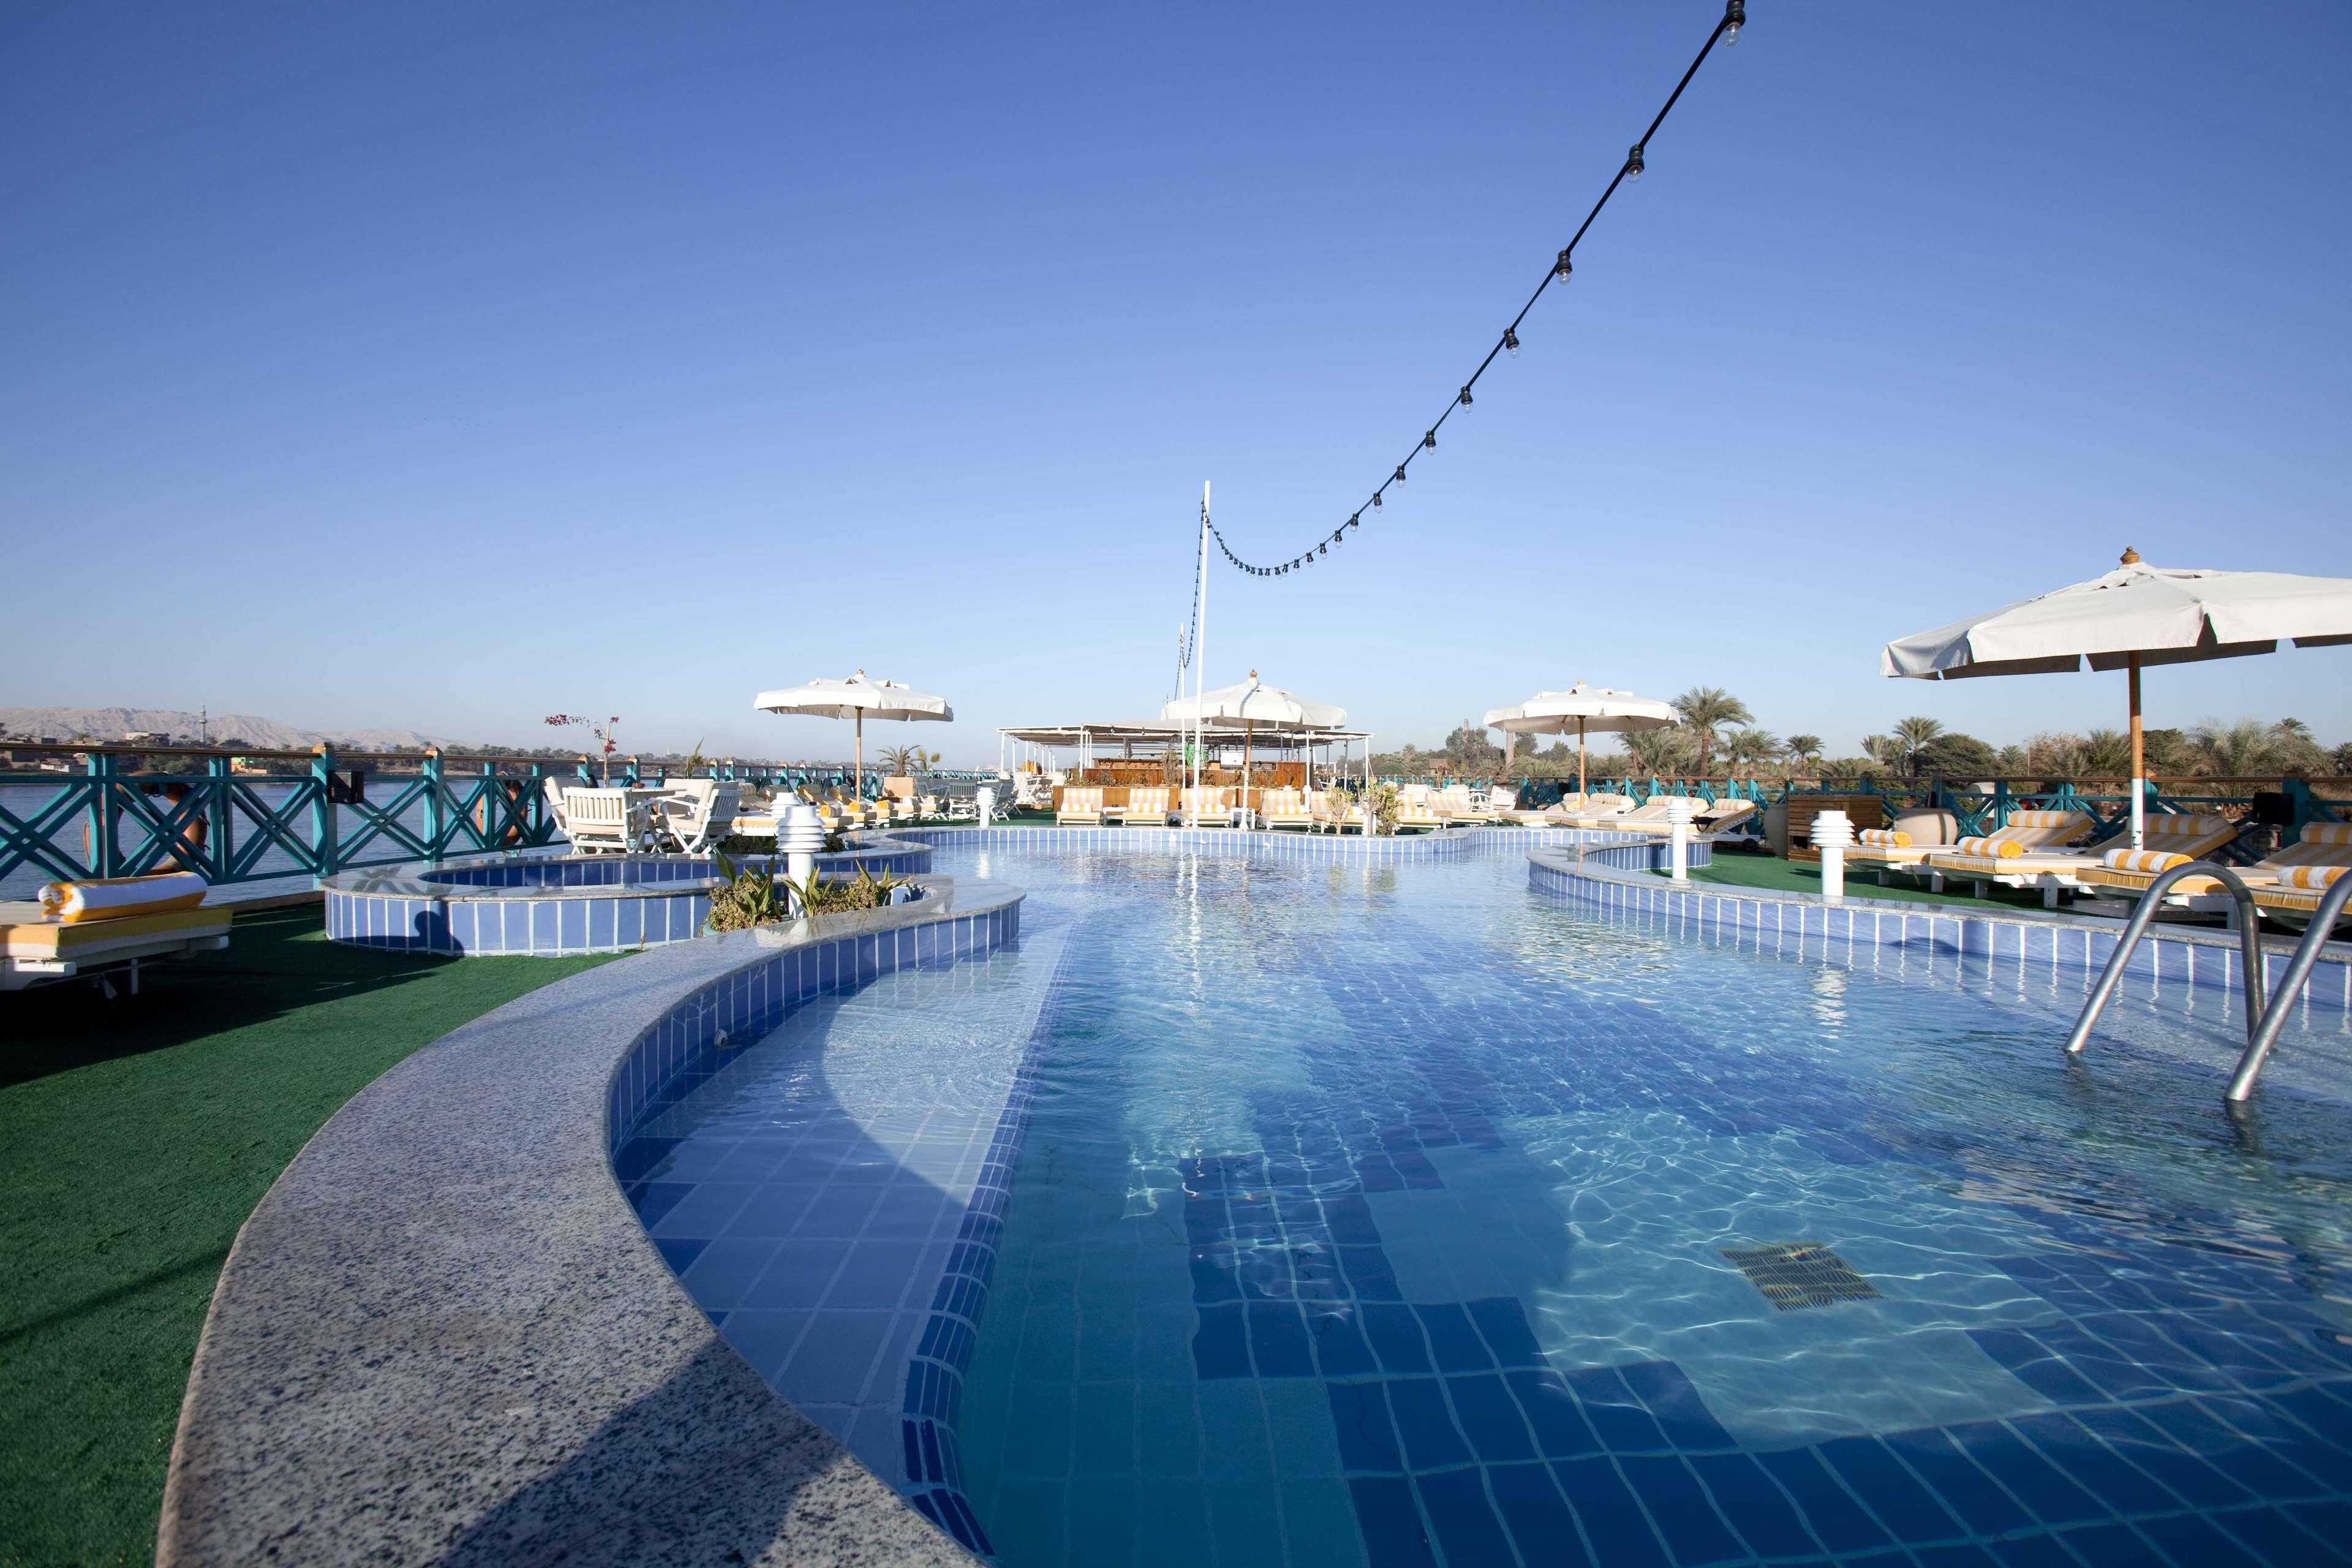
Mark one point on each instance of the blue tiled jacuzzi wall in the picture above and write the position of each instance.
(555, 911)
(1631, 852)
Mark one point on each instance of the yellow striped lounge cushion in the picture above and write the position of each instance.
(2325, 833)
(2040, 818)
(1882, 838)
(116, 897)
(1992, 848)
(2144, 859)
(2312, 879)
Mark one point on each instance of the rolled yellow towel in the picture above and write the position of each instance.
(2311, 878)
(115, 896)
(1989, 848)
(1882, 838)
(2143, 859)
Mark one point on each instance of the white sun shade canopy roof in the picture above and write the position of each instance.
(1602, 710)
(2164, 615)
(1255, 704)
(856, 697)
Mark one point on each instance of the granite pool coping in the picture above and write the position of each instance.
(444, 1336)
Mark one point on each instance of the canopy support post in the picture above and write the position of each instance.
(2139, 760)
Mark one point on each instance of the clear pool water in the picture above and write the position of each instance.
(1384, 1215)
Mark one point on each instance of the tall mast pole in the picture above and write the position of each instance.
(1200, 646)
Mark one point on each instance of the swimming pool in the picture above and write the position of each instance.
(1395, 1214)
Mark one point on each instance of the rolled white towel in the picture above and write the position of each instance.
(116, 897)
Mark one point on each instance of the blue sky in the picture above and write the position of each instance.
(449, 366)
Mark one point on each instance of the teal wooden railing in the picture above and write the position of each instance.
(125, 811)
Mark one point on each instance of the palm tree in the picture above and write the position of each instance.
(2107, 751)
(902, 761)
(1656, 751)
(1886, 751)
(1706, 710)
(2246, 749)
(1803, 752)
(1748, 749)
(1915, 733)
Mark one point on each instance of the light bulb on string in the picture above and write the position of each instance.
(1400, 474)
(1632, 167)
(1465, 397)
(1734, 17)
(1511, 342)
(1563, 269)
(1429, 438)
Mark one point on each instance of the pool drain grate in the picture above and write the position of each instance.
(1797, 1274)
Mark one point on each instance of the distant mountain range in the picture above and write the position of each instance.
(261, 734)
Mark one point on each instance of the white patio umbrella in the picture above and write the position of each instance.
(855, 698)
(1581, 710)
(1250, 705)
(2136, 614)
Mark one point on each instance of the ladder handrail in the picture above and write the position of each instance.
(2298, 970)
(2250, 943)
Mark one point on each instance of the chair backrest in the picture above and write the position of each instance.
(554, 790)
(2320, 843)
(2041, 828)
(724, 802)
(1080, 798)
(596, 808)
(2185, 832)
(1148, 800)
(1282, 802)
(1501, 799)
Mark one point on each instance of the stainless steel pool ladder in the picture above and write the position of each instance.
(2263, 1023)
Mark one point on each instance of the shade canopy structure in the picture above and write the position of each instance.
(1253, 705)
(2135, 615)
(1581, 710)
(856, 699)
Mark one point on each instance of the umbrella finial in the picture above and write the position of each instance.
(2130, 557)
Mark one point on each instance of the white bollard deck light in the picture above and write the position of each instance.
(984, 798)
(1832, 833)
(800, 834)
(1678, 814)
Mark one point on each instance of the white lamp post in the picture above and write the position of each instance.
(1832, 833)
(1678, 816)
(799, 835)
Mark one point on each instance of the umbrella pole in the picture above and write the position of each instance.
(1580, 759)
(2139, 760)
(1247, 727)
(858, 760)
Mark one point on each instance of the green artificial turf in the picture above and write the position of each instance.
(1770, 872)
(135, 1136)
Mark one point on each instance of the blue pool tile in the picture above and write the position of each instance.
(2193, 1543)
(1965, 1488)
(1681, 1509)
(1537, 1516)
(1391, 1521)
(1430, 1439)
(1623, 1423)
(2122, 1486)
(2274, 1538)
(655, 1199)
(2253, 1464)
(1504, 1323)
(1956, 1554)
(1220, 1344)
(1278, 1343)
(2197, 1482)
(1619, 1532)
(1369, 1271)
(2048, 1493)
(1829, 1510)
(680, 1254)
(1359, 1412)
(1462, 1517)
(1395, 1334)
(1491, 1418)
(1682, 1416)
(1452, 1338)
(1340, 1348)
(2036, 1366)
(1757, 1509)
(1875, 1474)
(1560, 1429)
(2031, 1551)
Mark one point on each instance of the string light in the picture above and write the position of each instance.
(1726, 31)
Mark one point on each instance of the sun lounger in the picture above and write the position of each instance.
(1147, 806)
(1288, 807)
(1458, 805)
(1419, 809)
(36, 948)
(1082, 805)
(1207, 805)
(2027, 852)
(2321, 845)
(1329, 812)
(1598, 810)
(2299, 890)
